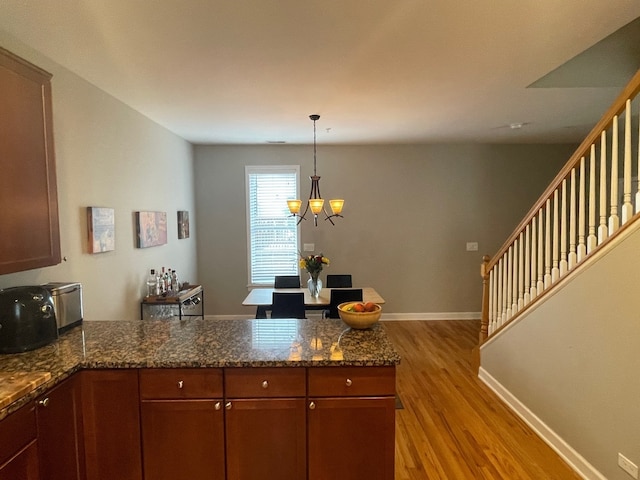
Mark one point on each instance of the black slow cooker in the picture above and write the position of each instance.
(27, 319)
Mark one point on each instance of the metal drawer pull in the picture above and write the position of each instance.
(265, 384)
(348, 383)
(217, 406)
(227, 405)
(44, 402)
(312, 406)
(180, 384)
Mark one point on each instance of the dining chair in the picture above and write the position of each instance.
(340, 296)
(339, 281)
(287, 281)
(288, 305)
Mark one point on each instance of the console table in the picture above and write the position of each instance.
(189, 295)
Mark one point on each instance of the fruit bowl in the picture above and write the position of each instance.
(360, 320)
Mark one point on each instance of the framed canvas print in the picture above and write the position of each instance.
(183, 224)
(101, 225)
(151, 229)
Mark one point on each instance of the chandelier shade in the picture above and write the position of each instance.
(315, 203)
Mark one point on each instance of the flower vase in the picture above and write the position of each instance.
(314, 284)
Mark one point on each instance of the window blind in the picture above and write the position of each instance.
(272, 232)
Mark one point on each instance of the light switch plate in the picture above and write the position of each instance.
(472, 246)
(309, 247)
(627, 465)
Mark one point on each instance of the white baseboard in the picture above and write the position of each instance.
(385, 316)
(576, 461)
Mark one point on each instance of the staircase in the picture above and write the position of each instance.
(593, 198)
(560, 335)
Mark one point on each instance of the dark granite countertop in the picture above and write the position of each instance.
(197, 343)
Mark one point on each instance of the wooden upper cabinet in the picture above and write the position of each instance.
(28, 193)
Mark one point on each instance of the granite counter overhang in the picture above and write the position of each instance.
(198, 343)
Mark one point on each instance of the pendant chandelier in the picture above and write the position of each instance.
(315, 202)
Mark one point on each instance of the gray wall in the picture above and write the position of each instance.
(573, 361)
(109, 155)
(409, 212)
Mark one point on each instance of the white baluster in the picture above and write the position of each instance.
(521, 271)
(493, 306)
(563, 230)
(514, 279)
(627, 208)
(592, 239)
(603, 232)
(547, 245)
(509, 282)
(638, 170)
(533, 291)
(573, 256)
(555, 270)
(540, 285)
(527, 266)
(490, 312)
(582, 212)
(501, 307)
(614, 219)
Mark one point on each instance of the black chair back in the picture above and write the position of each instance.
(340, 296)
(339, 281)
(288, 305)
(287, 281)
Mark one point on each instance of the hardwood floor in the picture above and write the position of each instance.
(452, 426)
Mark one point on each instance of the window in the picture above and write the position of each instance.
(271, 232)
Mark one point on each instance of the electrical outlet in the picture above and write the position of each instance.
(627, 465)
(472, 246)
(309, 247)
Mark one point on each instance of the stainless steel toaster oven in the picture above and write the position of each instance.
(67, 303)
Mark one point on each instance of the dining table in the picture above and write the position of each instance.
(262, 297)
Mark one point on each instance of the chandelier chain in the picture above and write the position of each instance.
(315, 119)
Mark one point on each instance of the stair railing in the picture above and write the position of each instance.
(587, 204)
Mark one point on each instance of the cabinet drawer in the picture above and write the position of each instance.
(351, 381)
(264, 382)
(16, 431)
(176, 383)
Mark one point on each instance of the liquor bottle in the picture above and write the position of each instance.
(160, 286)
(152, 283)
(167, 280)
(174, 281)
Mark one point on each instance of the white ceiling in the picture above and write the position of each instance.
(377, 71)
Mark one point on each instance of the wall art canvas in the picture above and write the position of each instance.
(151, 229)
(183, 224)
(101, 223)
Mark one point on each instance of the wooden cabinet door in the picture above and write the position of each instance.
(111, 421)
(18, 445)
(60, 442)
(351, 438)
(266, 439)
(23, 466)
(183, 439)
(28, 192)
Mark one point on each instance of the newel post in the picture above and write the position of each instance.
(484, 320)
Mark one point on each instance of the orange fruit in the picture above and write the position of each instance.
(358, 307)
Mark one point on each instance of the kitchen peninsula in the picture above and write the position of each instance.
(220, 399)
